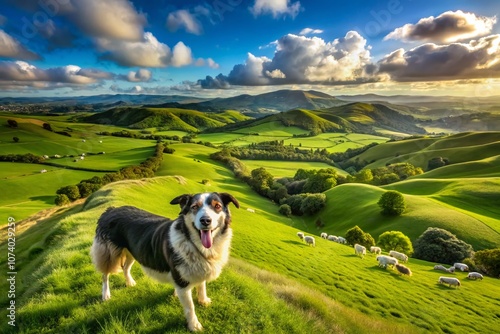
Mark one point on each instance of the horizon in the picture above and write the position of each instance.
(72, 48)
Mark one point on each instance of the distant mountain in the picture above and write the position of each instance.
(352, 117)
(166, 118)
(264, 104)
(468, 122)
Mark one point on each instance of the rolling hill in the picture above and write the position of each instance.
(166, 118)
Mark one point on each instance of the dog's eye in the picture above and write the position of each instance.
(217, 206)
(194, 207)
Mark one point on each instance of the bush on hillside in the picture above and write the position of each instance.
(356, 235)
(72, 192)
(12, 123)
(15, 139)
(488, 261)
(392, 203)
(395, 240)
(313, 203)
(285, 210)
(437, 162)
(47, 127)
(62, 199)
(439, 245)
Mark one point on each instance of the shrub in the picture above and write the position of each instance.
(392, 203)
(62, 199)
(438, 245)
(356, 235)
(47, 126)
(285, 210)
(72, 192)
(12, 123)
(205, 181)
(488, 261)
(437, 162)
(15, 139)
(395, 240)
(312, 203)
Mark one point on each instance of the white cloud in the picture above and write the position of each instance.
(183, 19)
(310, 31)
(447, 27)
(11, 48)
(276, 8)
(430, 62)
(206, 62)
(140, 75)
(181, 55)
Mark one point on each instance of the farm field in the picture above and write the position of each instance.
(327, 287)
(287, 168)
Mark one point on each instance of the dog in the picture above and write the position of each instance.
(186, 252)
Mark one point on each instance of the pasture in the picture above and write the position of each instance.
(288, 168)
(272, 280)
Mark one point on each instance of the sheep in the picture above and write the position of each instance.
(360, 250)
(324, 235)
(461, 266)
(81, 158)
(57, 156)
(399, 256)
(403, 269)
(341, 240)
(251, 210)
(375, 250)
(100, 141)
(443, 268)
(332, 238)
(384, 261)
(83, 154)
(475, 275)
(449, 280)
(45, 156)
(83, 140)
(43, 171)
(300, 235)
(310, 240)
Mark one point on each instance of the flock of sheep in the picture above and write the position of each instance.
(393, 259)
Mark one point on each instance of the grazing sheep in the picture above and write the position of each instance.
(341, 240)
(360, 250)
(449, 280)
(43, 171)
(100, 141)
(403, 269)
(310, 240)
(45, 156)
(57, 156)
(81, 158)
(376, 250)
(251, 210)
(443, 268)
(475, 275)
(332, 238)
(384, 261)
(399, 256)
(83, 154)
(83, 140)
(324, 235)
(300, 235)
(461, 266)
(451, 269)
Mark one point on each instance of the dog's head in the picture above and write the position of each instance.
(207, 212)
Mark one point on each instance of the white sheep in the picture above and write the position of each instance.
(310, 240)
(324, 235)
(43, 171)
(82, 158)
(461, 266)
(83, 140)
(251, 210)
(449, 280)
(83, 154)
(100, 141)
(300, 235)
(384, 261)
(443, 268)
(45, 156)
(57, 156)
(376, 250)
(360, 250)
(475, 275)
(341, 240)
(400, 256)
(332, 238)
(403, 269)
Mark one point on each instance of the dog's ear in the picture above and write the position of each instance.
(227, 198)
(182, 200)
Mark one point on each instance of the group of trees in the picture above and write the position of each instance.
(25, 158)
(85, 188)
(439, 245)
(356, 235)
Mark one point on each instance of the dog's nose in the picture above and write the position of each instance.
(205, 221)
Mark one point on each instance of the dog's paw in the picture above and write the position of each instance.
(195, 326)
(205, 302)
(130, 282)
(106, 296)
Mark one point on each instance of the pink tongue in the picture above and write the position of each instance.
(206, 238)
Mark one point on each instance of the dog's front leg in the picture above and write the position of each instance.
(202, 294)
(186, 299)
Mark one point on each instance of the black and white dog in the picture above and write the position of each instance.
(187, 251)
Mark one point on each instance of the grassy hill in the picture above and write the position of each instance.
(272, 281)
(167, 118)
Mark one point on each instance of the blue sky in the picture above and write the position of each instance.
(228, 47)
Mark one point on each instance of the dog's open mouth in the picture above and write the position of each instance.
(206, 238)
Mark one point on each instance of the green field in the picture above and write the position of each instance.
(272, 281)
(288, 168)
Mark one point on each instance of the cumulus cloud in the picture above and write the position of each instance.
(140, 75)
(276, 8)
(11, 48)
(429, 62)
(447, 27)
(146, 53)
(310, 31)
(304, 60)
(183, 19)
(56, 37)
(206, 62)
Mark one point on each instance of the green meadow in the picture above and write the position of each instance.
(286, 168)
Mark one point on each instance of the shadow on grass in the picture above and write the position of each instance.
(45, 199)
(294, 242)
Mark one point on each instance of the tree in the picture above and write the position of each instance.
(62, 199)
(72, 192)
(395, 240)
(392, 203)
(439, 245)
(364, 176)
(313, 203)
(437, 162)
(12, 123)
(488, 261)
(356, 235)
(15, 139)
(47, 126)
(285, 210)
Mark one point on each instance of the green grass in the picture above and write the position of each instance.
(273, 284)
(287, 168)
